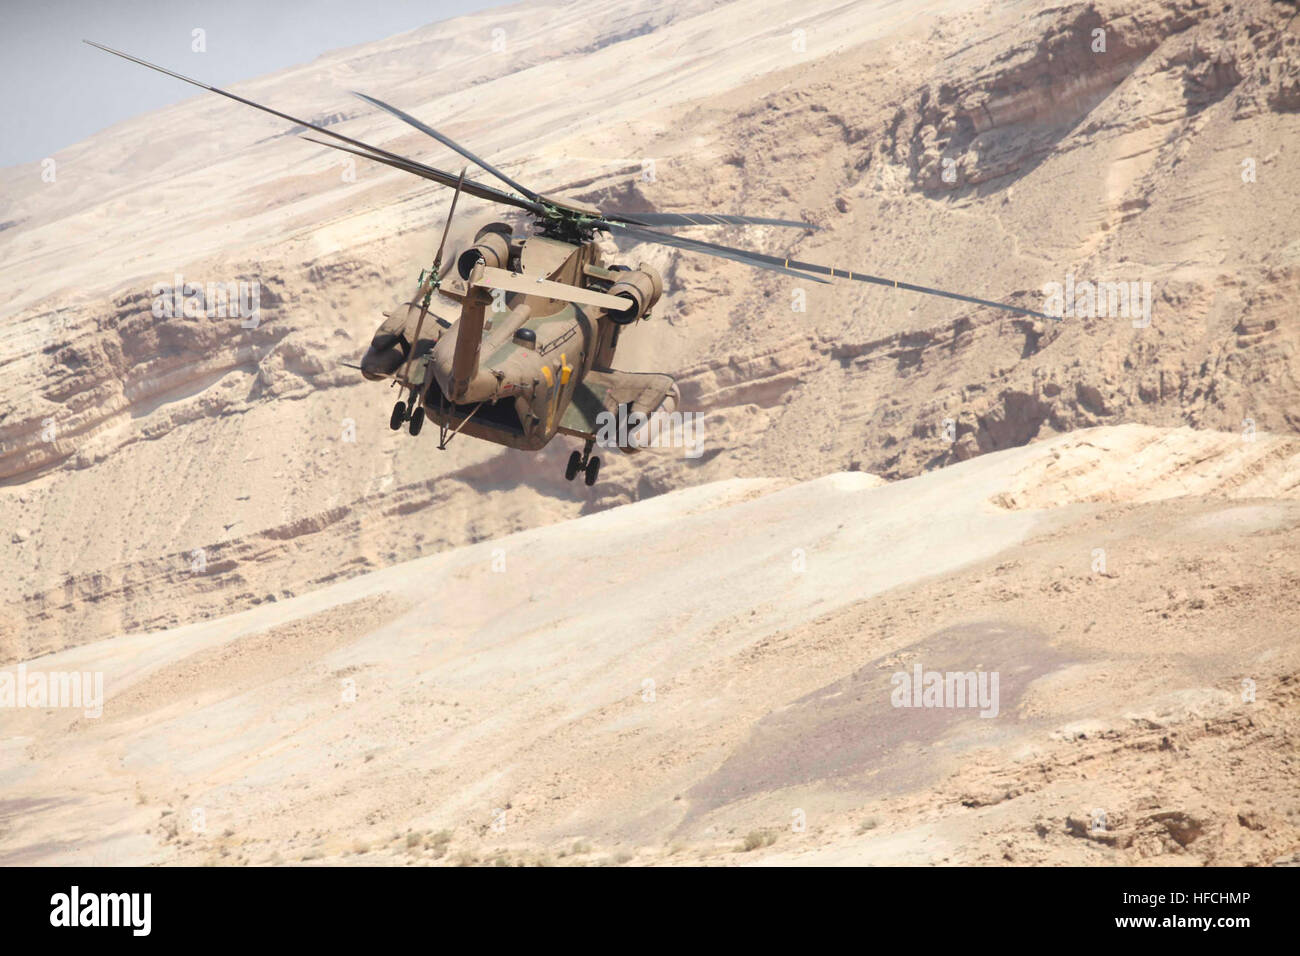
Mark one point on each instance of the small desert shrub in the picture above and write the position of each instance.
(756, 839)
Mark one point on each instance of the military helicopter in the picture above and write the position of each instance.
(513, 339)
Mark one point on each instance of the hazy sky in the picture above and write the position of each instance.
(57, 90)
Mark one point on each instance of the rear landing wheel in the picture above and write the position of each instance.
(591, 471)
(573, 467)
(399, 415)
(417, 420)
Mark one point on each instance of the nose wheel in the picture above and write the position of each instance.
(585, 462)
(409, 411)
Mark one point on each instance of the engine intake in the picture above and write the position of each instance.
(492, 247)
(641, 287)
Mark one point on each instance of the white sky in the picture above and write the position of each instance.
(58, 90)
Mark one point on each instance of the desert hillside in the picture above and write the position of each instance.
(981, 147)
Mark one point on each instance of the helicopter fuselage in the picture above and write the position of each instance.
(508, 366)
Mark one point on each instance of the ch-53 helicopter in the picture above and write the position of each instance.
(541, 363)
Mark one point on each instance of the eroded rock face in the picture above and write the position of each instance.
(1034, 92)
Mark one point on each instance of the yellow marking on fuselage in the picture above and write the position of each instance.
(565, 370)
(550, 405)
(553, 401)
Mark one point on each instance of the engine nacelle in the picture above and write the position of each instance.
(640, 431)
(641, 287)
(490, 246)
(389, 347)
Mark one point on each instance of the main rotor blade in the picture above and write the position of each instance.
(449, 143)
(925, 290)
(708, 248)
(419, 169)
(702, 219)
(809, 270)
(372, 152)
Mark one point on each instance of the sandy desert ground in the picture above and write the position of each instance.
(664, 681)
(399, 655)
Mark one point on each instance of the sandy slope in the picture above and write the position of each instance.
(770, 617)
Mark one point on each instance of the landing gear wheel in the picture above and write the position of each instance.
(417, 420)
(399, 415)
(591, 471)
(573, 467)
